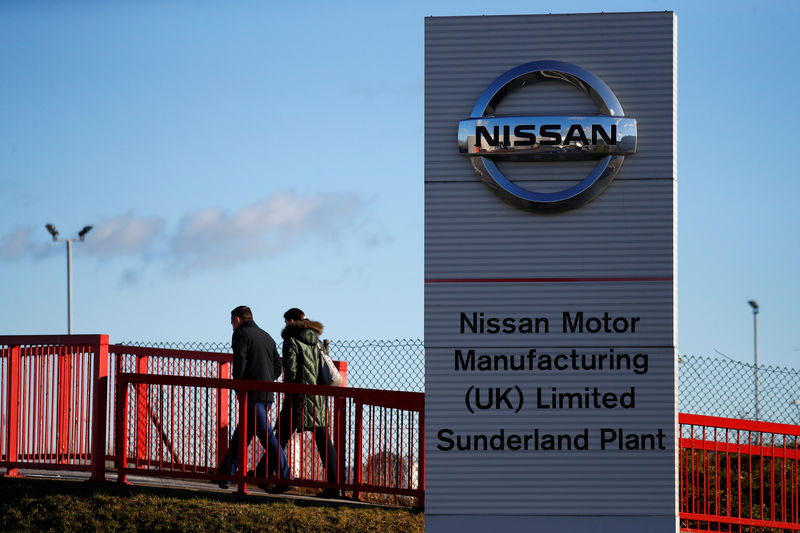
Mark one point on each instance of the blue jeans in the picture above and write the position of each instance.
(263, 429)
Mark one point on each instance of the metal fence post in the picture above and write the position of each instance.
(223, 404)
(14, 361)
(63, 394)
(243, 442)
(340, 425)
(121, 430)
(421, 459)
(142, 427)
(99, 408)
(340, 437)
(357, 444)
(341, 366)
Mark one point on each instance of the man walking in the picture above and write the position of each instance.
(255, 357)
(306, 412)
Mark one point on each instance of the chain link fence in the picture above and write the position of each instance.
(371, 364)
(707, 385)
(723, 387)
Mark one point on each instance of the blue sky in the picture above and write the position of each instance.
(232, 153)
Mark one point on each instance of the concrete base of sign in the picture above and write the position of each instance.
(567, 524)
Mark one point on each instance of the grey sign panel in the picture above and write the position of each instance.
(601, 456)
(467, 233)
(548, 312)
(550, 333)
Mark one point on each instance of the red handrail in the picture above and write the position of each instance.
(358, 399)
(55, 388)
(738, 475)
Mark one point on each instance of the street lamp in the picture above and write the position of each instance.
(754, 305)
(81, 236)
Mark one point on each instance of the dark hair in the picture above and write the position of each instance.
(294, 314)
(242, 312)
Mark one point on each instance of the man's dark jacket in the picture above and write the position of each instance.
(255, 356)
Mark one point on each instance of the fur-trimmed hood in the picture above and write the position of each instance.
(306, 331)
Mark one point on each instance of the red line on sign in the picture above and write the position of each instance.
(547, 280)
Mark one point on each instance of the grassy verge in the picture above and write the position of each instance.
(36, 505)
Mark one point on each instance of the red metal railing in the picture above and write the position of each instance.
(384, 456)
(738, 475)
(59, 386)
(157, 361)
(73, 402)
(145, 360)
(54, 390)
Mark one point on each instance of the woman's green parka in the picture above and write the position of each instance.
(301, 365)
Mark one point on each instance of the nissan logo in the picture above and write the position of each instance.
(608, 137)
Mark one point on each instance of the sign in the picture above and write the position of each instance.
(550, 295)
(607, 137)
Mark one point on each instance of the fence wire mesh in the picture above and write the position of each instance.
(389, 443)
(710, 386)
(371, 364)
(722, 387)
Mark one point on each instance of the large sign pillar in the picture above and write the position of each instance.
(550, 265)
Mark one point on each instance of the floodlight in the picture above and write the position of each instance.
(82, 233)
(52, 229)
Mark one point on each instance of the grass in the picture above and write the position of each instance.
(44, 505)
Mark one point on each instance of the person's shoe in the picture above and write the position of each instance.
(280, 489)
(330, 494)
(221, 484)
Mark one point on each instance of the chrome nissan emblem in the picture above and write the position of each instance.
(607, 137)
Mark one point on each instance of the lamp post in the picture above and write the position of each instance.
(81, 236)
(754, 305)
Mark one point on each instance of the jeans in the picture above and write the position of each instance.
(263, 429)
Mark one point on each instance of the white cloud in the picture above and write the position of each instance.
(19, 245)
(207, 238)
(213, 238)
(124, 235)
